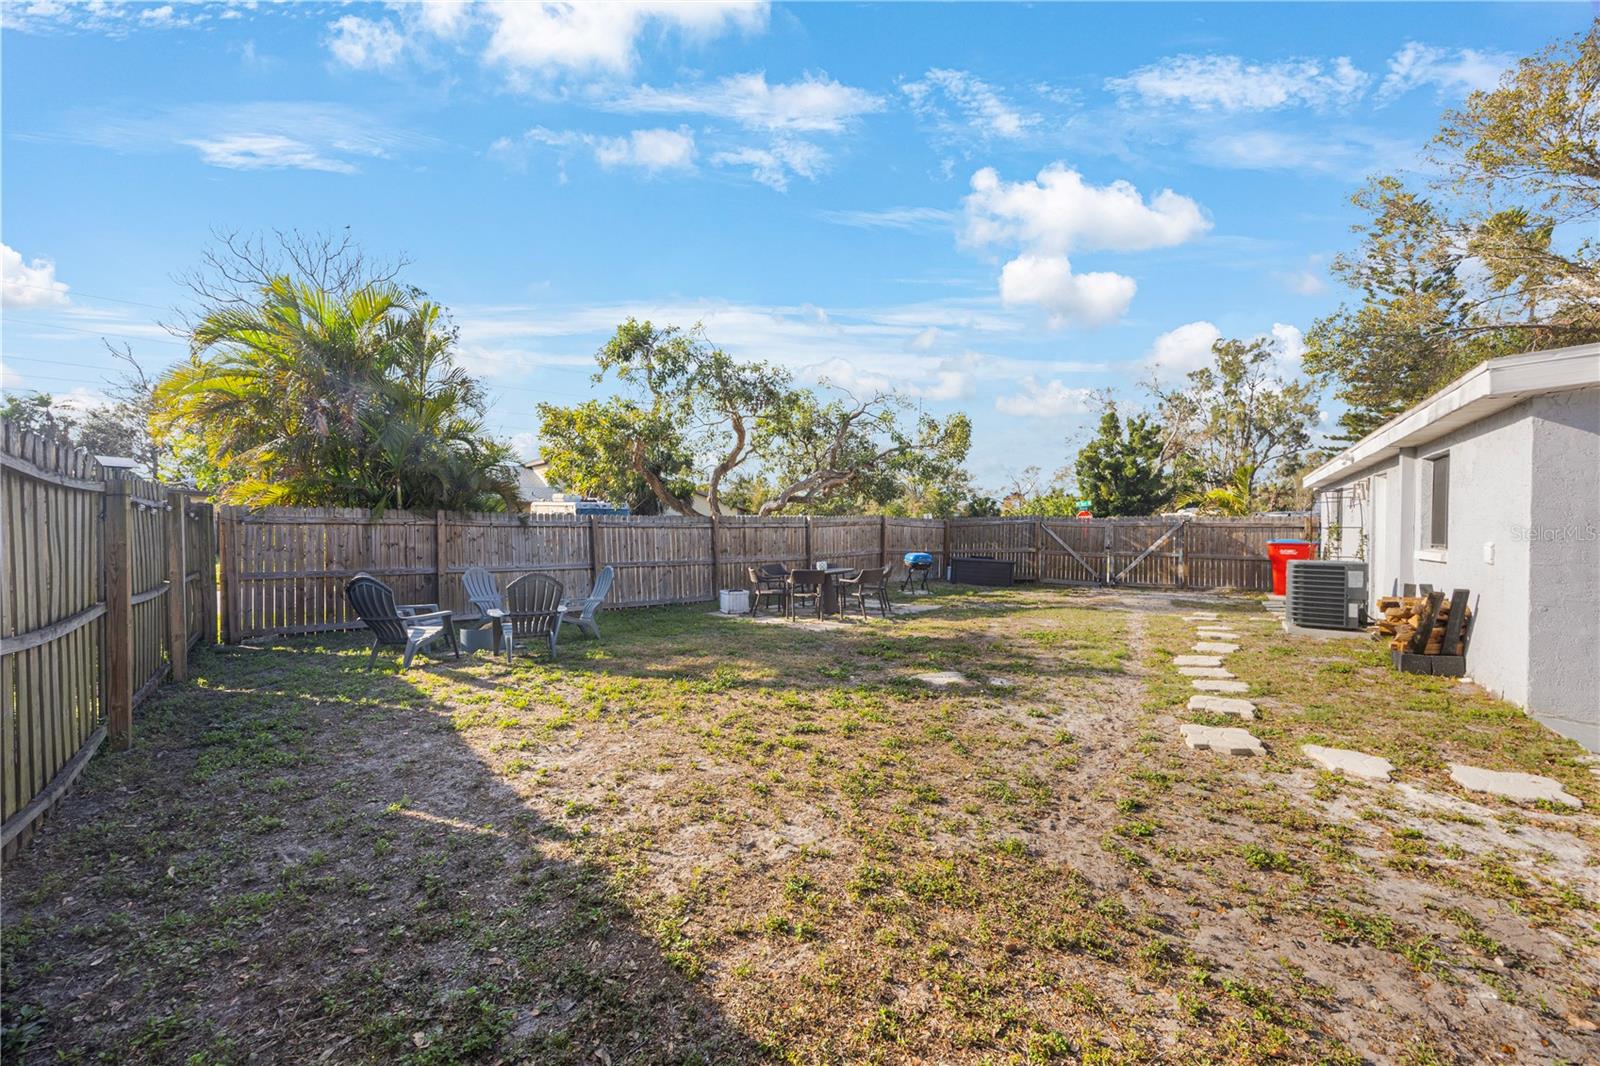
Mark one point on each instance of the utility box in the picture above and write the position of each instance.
(735, 601)
(1326, 594)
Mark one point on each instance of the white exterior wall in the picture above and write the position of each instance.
(1524, 537)
(1564, 540)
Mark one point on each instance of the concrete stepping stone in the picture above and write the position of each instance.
(1207, 633)
(1214, 647)
(941, 679)
(1355, 763)
(1204, 671)
(1513, 786)
(1225, 740)
(1001, 682)
(1211, 684)
(1201, 616)
(1223, 705)
(1196, 660)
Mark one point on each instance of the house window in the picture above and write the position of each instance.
(1437, 529)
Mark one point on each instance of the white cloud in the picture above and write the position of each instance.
(365, 44)
(983, 110)
(926, 339)
(1052, 399)
(814, 104)
(1058, 213)
(265, 151)
(525, 445)
(1451, 73)
(1290, 345)
(772, 166)
(1230, 83)
(1349, 152)
(601, 37)
(29, 284)
(1304, 282)
(906, 218)
(1178, 351)
(1047, 281)
(651, 150)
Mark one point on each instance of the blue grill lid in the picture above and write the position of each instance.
(913, 558)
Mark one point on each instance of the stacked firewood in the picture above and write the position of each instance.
(1402, 616)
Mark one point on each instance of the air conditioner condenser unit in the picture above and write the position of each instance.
(1327, 594)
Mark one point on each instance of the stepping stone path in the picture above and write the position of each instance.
(1213, 647)
(1196, 660)
(1514, 786)
(1204, 671)
(1354, 763)
(1226, 740)
(1223, 705)
(941, 679)
(1209, 684)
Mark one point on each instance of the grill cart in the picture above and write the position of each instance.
(917, 566)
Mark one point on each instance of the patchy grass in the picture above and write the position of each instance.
(707, 840)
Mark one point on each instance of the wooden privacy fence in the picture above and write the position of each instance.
(1173, 552)
(284, 569)
(108, 581)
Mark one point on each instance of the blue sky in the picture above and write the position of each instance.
(999, 209)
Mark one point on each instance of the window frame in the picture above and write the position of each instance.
(1435, 524)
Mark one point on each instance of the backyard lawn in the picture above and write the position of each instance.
(709, 840)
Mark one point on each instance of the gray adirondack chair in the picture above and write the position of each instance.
(413, 626)
(581, 612)
(532, 608)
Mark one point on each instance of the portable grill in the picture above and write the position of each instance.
(917, 566)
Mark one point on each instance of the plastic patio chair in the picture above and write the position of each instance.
(581, 612)
(482, 590)
(532, 609)
(413, 626)
(873, 582)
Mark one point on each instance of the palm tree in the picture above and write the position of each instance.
(312, 399)
(1235, 499)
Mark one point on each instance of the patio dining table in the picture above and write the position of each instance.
(830, 587)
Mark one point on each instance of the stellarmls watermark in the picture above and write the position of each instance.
(1574, 534)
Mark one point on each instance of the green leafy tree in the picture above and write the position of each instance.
(750, 418)
(1122, 470)
(1238, 421)
(1404, 340)
(589, 449)
(312, 398)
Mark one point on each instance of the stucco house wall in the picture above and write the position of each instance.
(1523, 437)
(1563, 538)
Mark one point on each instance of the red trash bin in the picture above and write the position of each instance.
(1281, 552)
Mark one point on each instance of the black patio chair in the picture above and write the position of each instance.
(872, 582)
(412, 626)
(532, 609)
(806, 585)
(767, 585)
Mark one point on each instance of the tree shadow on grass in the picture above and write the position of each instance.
(300, 862)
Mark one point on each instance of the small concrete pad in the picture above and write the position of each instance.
(1355, 763)
(1204, 671)
(1226, 740)
(1201, 616)
(941, 679)
(1216, 634)
(1513, 786)
(1223, 705)
(1196, 660)
(1210, 684)
(1213, 647)
(1001, 682)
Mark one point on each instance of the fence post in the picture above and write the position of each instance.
(438, 557)
(883, 540)
(119, 613)
(809, 560)
(1038, 571)
(944, 563)
(1183, 555)
(716, 558)
(177, 587)
(594, 549)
